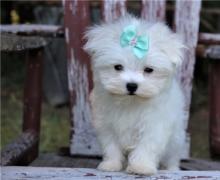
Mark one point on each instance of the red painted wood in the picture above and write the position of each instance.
(33, 99)
(214, 109)
(112, 9)
(153, 10)
(77, 19)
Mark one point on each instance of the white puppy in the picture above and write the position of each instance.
(137, 104)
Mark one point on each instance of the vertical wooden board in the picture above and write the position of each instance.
(214, 108)
(187, 16)
(153, 10)
(76, 17)
(112, 9)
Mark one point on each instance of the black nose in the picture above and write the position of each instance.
(131, 87)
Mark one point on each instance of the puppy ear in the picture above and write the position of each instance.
(175, 49)
(170, 43)
(93, 37)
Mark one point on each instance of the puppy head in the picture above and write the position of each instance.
(119, 71)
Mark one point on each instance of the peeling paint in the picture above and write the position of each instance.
(74, 5)
(84, 140)
(113, 9)
(153, 10)
(63, 3)
(67, 37)
(189, 30)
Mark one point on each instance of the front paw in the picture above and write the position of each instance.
(110, 165)
(142, 169)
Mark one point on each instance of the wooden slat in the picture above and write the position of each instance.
(16, 152)
(77, 18)
(214, 109)
(33, 30)
(212, 51)
(112, 9)
(200, 165)
(187, 24)
(209, 38)
(12, 42)
(32, 173)
(153, 10)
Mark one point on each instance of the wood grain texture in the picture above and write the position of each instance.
(12, 42)
(187, 18)
(16, 151)
(77, 19)
(112, 9)
(153, 10)
(32, 173)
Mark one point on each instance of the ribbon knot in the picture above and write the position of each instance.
(139, 44)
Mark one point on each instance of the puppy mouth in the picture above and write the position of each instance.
(131, 94)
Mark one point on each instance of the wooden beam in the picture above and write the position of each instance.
(209, 38)
(77, 19)
(12, 42)
(15, 152)
(118, 9)
(32, 173)
(187, 18)
(212, 51)
(33, 30)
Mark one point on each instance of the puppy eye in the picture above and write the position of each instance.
(118, 67)
(148, 70)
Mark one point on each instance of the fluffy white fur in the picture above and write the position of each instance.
(145, 131)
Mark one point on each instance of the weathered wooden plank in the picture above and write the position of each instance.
(187, 16)
(112, 9)
(214, 109)
(187, 24)
(200, 165)
(16, 151)
(153, 10)
(208, 38)
(33, 30)
(56, 160)
(12, 173)
(212, 51)
(77, 18)
(11, 42)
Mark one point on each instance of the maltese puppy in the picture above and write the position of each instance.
(137, 104)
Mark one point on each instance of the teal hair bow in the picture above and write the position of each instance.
(139, 44)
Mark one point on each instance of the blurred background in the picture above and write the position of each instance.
(55, 124)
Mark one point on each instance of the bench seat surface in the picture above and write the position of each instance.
(30, 173)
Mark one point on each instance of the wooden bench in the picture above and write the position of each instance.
(83, 140)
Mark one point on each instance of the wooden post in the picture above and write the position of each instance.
(214, 108)
(112, 9)
(77, 19)
(153, 10)
(33, 98)
(187, 16)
